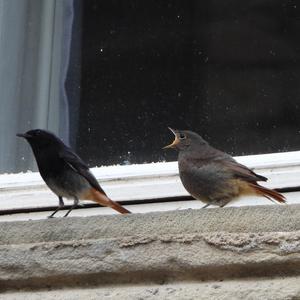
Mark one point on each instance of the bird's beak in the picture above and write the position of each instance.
(23, 135)
(175, 142)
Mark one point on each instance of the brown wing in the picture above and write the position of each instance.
(224, 160)
(242, 172)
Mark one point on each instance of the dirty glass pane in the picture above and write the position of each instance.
(228, 70)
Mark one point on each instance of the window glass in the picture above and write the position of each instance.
(226, 69)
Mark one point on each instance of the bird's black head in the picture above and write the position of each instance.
(186, 140)
(39, 138)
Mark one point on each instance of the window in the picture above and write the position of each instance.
(226, 70)
(110, 76)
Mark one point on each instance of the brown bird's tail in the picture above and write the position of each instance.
(268, 193)
(102, 199)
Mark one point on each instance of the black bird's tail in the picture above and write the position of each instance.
(103, 200)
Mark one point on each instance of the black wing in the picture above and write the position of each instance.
(79, 166)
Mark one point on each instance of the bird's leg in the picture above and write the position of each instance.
(206, 205)
(75, 204)
(224, 203)
(60, 205)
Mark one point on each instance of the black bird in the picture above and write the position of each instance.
(213, 176)
(64, 172)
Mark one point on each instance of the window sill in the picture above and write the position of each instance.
(147, 181)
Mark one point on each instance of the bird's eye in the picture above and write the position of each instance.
(182, 136)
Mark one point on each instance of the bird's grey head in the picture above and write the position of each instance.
(186, 140)
(39, 138)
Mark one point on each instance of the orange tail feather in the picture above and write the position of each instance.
(268, 193)
(102, 199)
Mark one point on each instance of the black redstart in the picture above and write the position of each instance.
(213, 176)
(64, 172)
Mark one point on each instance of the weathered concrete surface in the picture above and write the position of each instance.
(270, 218)
(154, 259)
(264, 289)
(156, 248)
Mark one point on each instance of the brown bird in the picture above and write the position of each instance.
(213, 176)
(64, 171)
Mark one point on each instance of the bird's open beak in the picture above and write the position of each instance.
(23, 135)
(175, 142)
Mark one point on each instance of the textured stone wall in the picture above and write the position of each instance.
(183, 254)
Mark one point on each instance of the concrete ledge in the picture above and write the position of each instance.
(191, 245)
(267, 289)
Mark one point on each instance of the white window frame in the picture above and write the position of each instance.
(148, 181)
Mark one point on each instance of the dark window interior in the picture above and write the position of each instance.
(228, 70)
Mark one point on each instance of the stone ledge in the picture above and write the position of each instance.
(269, 218)
(190, 245)
(246, 289)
